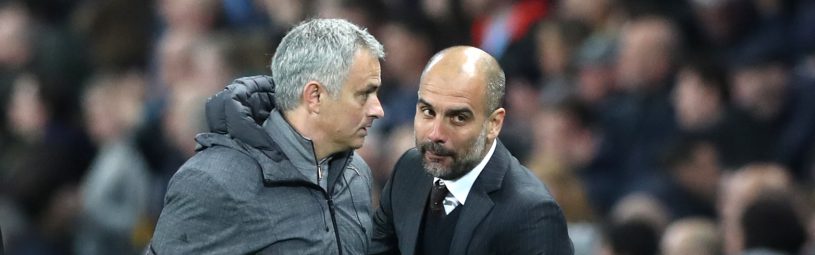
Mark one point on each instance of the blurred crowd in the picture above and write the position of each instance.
(661, 127)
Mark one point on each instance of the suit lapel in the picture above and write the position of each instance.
(417, 191)
(479, 203)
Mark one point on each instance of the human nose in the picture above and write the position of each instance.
(437, 133)
(376, 110)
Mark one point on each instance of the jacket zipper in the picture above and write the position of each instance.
(334, 223)
(329, 200)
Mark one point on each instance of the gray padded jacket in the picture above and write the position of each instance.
(253, 187)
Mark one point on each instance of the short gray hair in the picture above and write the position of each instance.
(319, 50)
(496, 84)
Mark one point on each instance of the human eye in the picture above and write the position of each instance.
(364, 95)
(460, 119)
(427, 112)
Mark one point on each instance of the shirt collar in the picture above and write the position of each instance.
(460, 188)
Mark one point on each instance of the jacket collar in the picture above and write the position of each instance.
(460, 188)
(479, 202)
(297, 148)
(243, 117)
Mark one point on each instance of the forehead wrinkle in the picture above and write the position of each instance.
(442, 90)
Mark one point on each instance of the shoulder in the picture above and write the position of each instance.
(359, 165)
(522, 188)
(410, 159)
(232, 171)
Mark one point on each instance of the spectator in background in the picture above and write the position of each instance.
(701, 95)
(403, 69)
(694, 170)
(568, 141)
(556, 43)
(189, 16)
(43, 182)
(631, 237)
(114, 194)
(772, 225)
(778, 109)
(16, 29)
(643, 207)
(118, 31)
(739, 190)
(214, 61)
(703, 111)
(635, 225)
(448, 22)
(365, 13)
(594, 81)
(759, 89)
(698, 236)
(639, 120)
(594, 56)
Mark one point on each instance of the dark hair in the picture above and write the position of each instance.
(712, 73)
(771, 222)
(633, 237)
(681, 151)
(581, 113)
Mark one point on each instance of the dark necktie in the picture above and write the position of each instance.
(437, 195)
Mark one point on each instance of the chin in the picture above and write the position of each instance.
(357, 145)
(440, 171)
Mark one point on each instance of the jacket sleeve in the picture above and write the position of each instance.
(198, 217)
(384, 239)
(542, 230)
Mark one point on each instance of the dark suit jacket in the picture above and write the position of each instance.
(508, 211)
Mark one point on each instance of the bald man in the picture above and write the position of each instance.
(460, 191)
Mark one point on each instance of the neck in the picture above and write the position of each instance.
(301, 120)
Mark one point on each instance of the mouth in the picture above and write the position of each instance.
(364, 129)
(434, 157)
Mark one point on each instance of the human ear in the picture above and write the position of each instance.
(312, 96)
(495, 123)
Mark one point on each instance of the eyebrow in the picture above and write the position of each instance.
(421, 101)
(371, 87)
(449, 112)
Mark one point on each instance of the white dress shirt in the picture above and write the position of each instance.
(460, 188)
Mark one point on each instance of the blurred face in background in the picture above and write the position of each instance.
(26, 111)
(590, 12)
(697, 104)
(405, 64)
(14, 28)
(700, 174)
(553, 53)
(760, 90)
(645, 54)
(112, 106)
(189, 16)
(284, 12)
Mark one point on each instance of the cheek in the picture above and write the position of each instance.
(420, 125)
(347, 116)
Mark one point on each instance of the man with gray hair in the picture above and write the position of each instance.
(277, 173)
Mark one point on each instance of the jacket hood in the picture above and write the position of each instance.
(241, 108)
(239, 117)
(235, 117)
